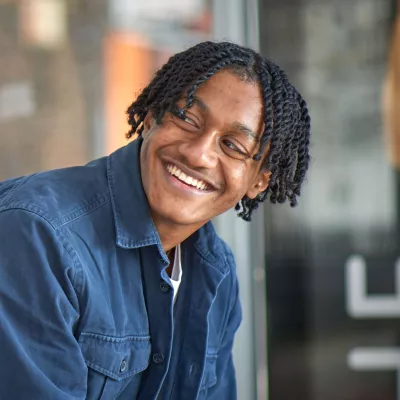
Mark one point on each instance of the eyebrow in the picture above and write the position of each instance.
(242, 128)
(236, 126)
(200, 103)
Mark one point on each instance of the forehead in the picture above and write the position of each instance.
(229, 99)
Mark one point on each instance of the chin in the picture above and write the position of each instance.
(173, 216)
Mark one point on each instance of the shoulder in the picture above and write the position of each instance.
(56, 195)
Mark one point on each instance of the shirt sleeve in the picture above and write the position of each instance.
(225, 388)
(40, 357)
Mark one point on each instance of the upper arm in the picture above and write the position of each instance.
(40, 357)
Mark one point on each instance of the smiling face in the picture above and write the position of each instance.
(197, 165)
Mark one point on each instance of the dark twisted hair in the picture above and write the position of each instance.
(286, 119)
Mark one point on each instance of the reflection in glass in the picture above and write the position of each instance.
(337, 53)
(72, 67)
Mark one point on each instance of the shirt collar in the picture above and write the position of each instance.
(211, 247)
(133, 223)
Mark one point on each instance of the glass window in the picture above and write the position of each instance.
(71, 68)
(332, 286)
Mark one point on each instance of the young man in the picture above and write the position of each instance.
(113, 282)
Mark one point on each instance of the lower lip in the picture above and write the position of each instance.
(183, 186)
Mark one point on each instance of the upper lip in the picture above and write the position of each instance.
(190, 172)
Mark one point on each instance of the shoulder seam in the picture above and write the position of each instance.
(74, 215)
(18, 182)
(63, 241)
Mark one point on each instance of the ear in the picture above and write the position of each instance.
(260, 184)
(147, 124)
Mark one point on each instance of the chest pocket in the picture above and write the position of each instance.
(115, 364)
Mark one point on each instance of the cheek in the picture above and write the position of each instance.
(147, 162)
(239, 176)
(159, 137)
(236, 183)
(152, 142)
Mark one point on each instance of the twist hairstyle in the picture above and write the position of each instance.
(286, 119)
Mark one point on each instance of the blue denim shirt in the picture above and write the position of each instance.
(86, 306)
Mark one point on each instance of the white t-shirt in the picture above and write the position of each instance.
(176, 274)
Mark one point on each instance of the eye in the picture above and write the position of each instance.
(182, 115)
(233, 150)
(232, 146)
(188, 120)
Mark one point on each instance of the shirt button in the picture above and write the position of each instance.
(164, 286)
(122, 368)
(158, 358)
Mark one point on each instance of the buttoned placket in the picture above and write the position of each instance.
(201, 287)
(159, 303)
(197, 293)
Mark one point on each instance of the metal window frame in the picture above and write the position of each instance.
(237, 21)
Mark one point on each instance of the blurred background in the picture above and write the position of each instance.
(320, 284)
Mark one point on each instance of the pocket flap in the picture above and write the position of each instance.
(210, 372)
(116, 357)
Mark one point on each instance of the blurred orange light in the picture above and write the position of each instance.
(128, 69)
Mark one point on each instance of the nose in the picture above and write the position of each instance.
(201, 151)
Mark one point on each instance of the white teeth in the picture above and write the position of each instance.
(175, 171)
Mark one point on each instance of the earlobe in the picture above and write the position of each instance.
(260, 184)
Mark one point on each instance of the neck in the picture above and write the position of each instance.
(172, 234)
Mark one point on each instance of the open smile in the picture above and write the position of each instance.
(190, 182)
